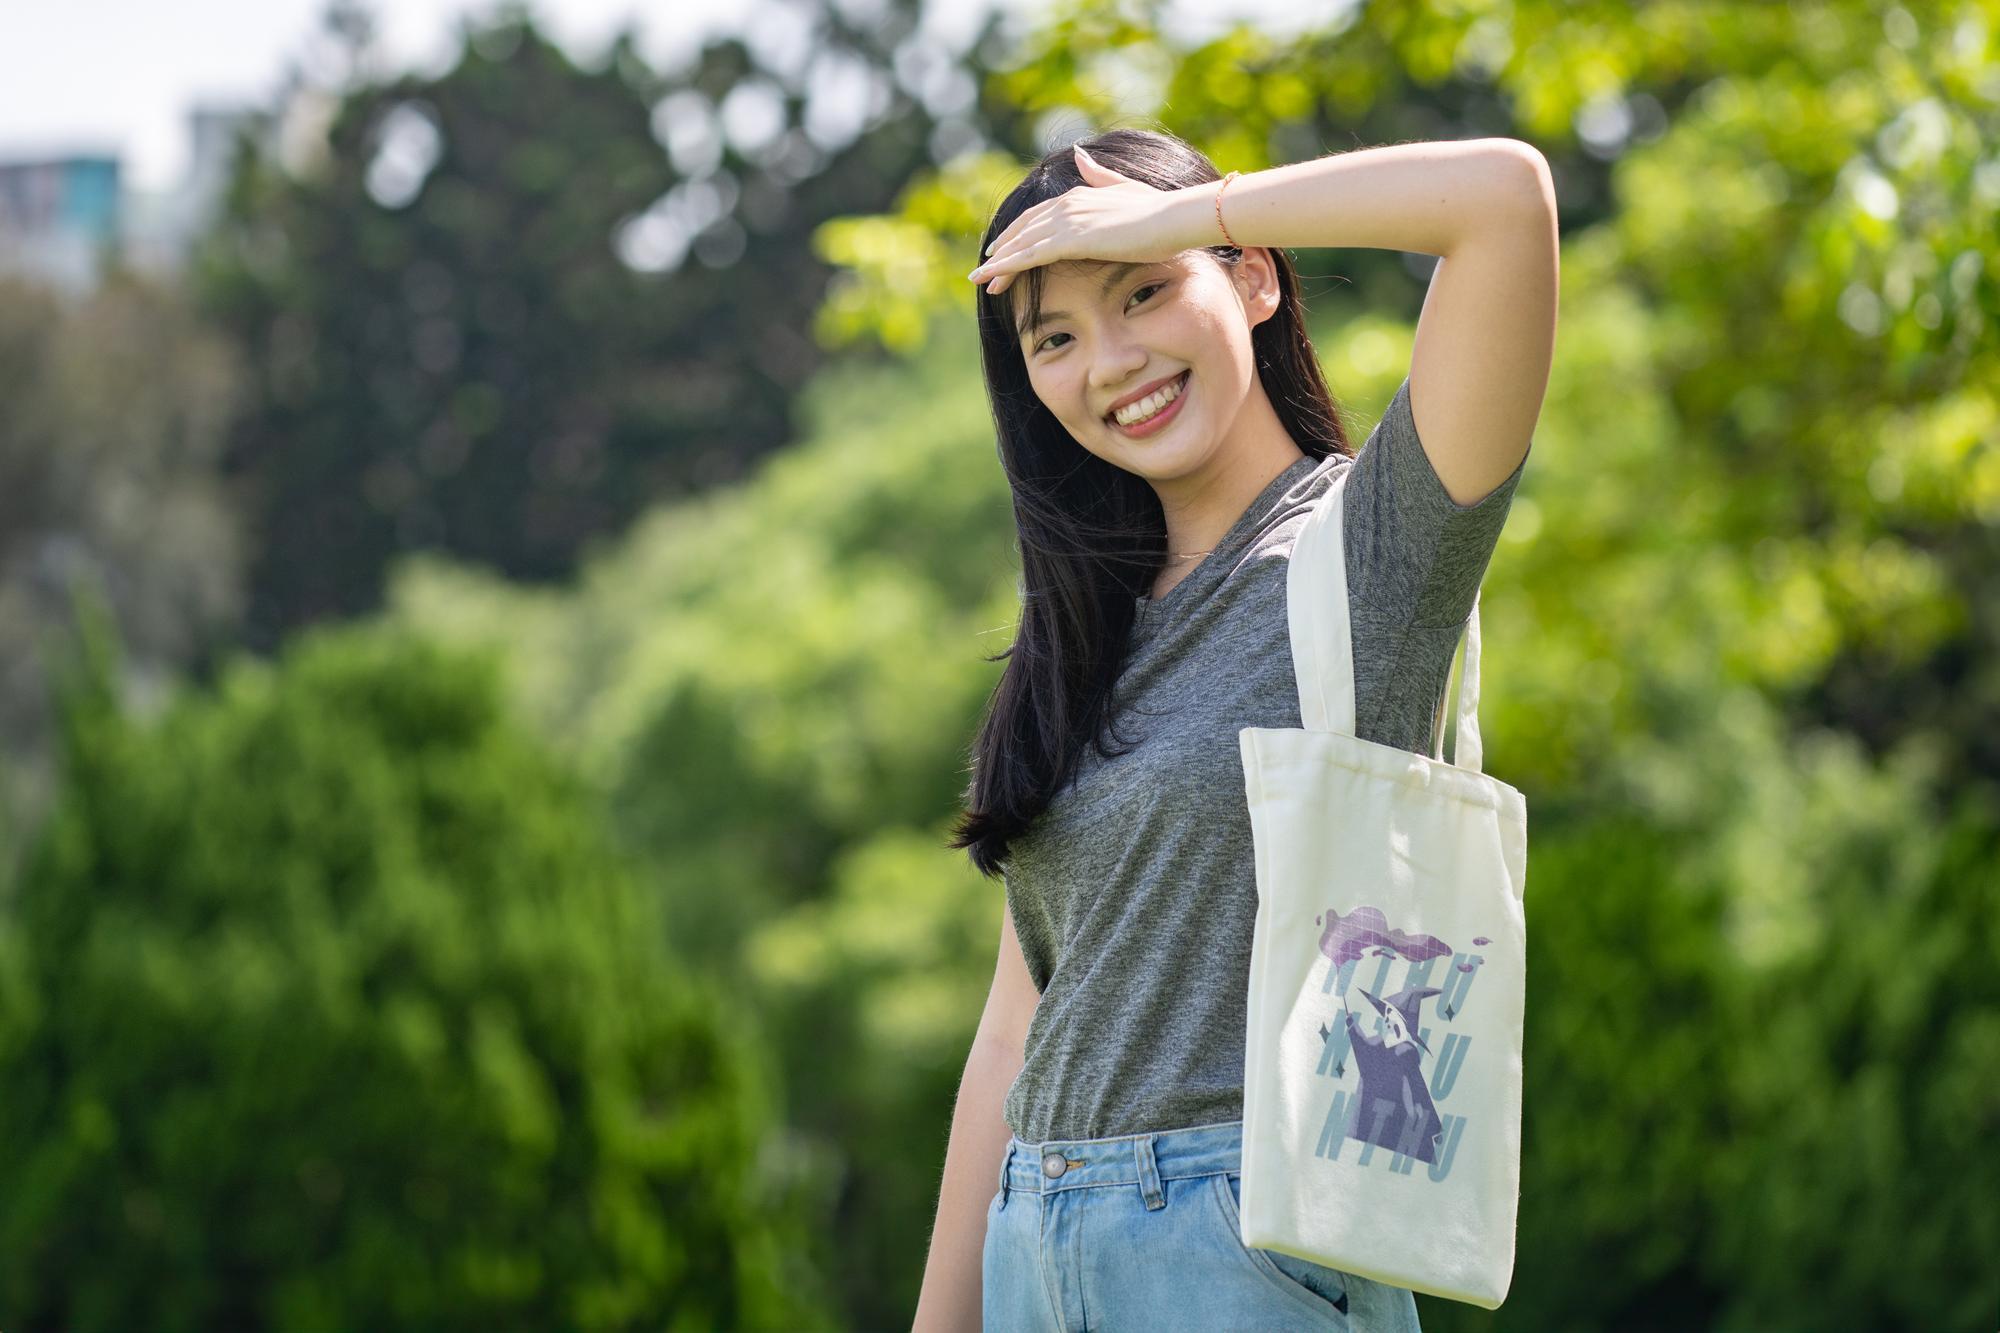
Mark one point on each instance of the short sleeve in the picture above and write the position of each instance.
(1414, 556)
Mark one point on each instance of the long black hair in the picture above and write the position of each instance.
(1092, 535)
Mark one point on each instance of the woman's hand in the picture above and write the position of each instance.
(1116, 218)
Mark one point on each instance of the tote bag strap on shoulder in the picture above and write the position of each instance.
(1323, 638)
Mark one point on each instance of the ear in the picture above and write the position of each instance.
(1256, 278)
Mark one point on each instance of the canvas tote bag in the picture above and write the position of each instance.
(1382, 1072)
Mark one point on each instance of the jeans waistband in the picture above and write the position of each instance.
(1125, 1159)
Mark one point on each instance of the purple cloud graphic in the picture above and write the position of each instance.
(1344, 938)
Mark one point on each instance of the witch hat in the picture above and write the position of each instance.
(1408, 1004)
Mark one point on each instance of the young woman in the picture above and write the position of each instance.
(1165, 429)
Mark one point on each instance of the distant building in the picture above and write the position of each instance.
(62, 214)
(58, 215)
(160, 225)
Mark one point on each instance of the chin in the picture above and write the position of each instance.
(1166, 465)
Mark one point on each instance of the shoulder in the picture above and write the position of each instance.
(1412, 551)
(1395, 468)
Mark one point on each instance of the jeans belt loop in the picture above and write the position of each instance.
(1149, 1173)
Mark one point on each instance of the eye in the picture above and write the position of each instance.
(1149, 287)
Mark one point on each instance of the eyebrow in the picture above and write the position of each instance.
(1112, 276)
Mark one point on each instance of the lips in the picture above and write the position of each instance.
(1161, 420)
(1144, 390)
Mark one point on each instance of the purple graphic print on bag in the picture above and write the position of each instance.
(1389, 1102)
(1400, 1112)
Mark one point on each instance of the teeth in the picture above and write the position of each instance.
(1148, 406)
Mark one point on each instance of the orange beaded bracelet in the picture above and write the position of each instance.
(1218, 208)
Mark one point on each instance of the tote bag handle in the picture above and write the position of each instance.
(1323, 638)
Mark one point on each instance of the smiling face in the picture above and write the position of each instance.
(1109, 331)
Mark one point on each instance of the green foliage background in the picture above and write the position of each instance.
(329, 1005)
(1742, 634)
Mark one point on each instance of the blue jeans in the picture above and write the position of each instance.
(1140, 1232)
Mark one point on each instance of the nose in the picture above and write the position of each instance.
(1119, 365)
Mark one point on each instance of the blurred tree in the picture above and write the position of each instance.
(785, 740)
(752, 718)
(113, 413)
(473, 326)
(324, 1004)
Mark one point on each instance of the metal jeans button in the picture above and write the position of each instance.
(1054, 1164)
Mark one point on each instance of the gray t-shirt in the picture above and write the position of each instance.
(1134, 894)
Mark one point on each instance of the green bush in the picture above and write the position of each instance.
(325, 1002)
